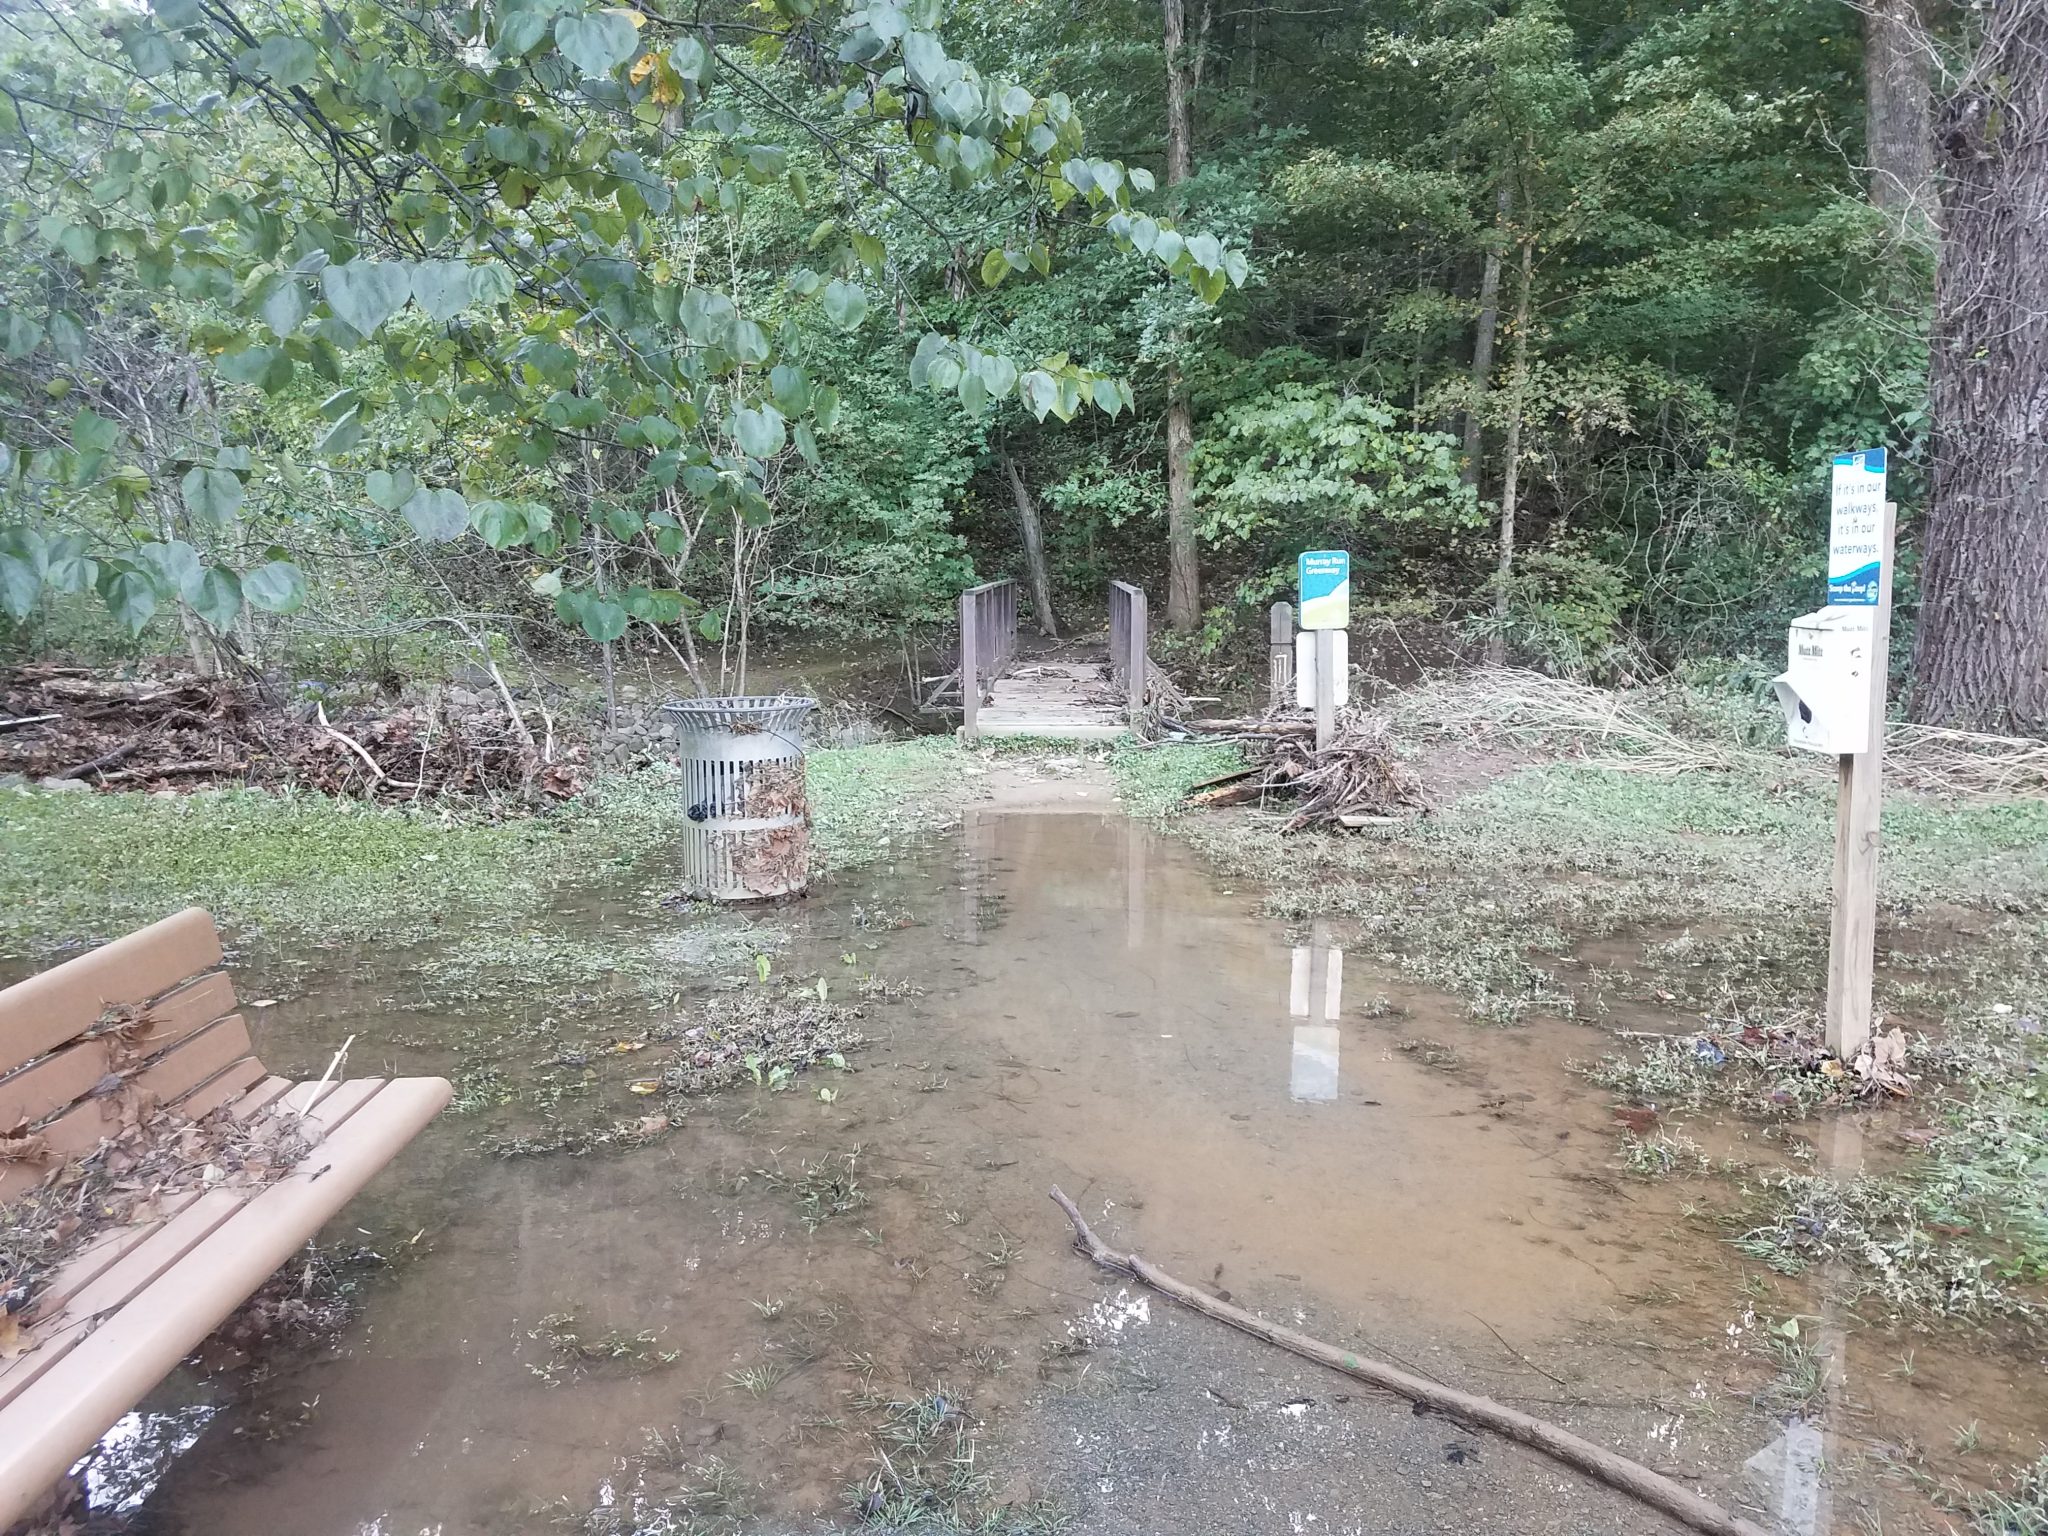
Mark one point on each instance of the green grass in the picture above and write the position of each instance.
(82, 868)
(1152, 780)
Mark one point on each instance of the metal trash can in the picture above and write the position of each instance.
(748, 832)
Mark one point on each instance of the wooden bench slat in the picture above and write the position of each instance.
(48, 1426)
(260, 1098)
(41, 1013)
(103, 1251)
(63, 1330)
(57, 1079)
(220, 1088)
(179, 1070)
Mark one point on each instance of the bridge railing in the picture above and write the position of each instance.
(988, 644)
(1129, 634)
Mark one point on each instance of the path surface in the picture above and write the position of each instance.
(1065, 694)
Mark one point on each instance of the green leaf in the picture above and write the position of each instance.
(994, 267)
(93, 433)
(846, 304)
(442, 288)
(131, 598)
(760, 433)
(1040, 391)
(872, 253)
(520, 32)
(289, 61)
(285, 303)
(248, 365)
(390, 490)
(218, 597)
(211, 495)
(20, 583)
(276, 587)
(437, 516)
(597, 43)
(499, 524)
(342, 436)
(19, 335)
(367, 293)
(603, 620)
(177, 563)
(67, 567)
(491, 282)
(825, 405)
(690, 59)
(998, 375)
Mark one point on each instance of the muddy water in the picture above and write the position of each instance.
(1253, 1109)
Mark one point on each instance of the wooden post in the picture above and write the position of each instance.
(1280, 670)
(1326, 687)
(1859, 797)
(1139, 673)
(970, 685)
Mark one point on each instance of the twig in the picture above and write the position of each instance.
(350, 742)
(19, 721)
(1504, 1344)
(333, 1066)
(1631, 1477)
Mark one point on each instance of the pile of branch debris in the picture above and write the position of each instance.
(67, 725)
(1359, 780)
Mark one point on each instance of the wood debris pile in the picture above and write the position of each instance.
(76, 725)
(1358, 780)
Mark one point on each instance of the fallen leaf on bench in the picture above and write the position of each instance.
(14, 1339)
(23, 1147)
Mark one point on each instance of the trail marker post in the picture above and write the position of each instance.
(1833, 694)
(1325, 578)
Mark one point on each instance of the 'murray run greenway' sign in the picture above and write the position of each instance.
(1325, 589)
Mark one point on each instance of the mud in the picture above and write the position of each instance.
(769, 1284)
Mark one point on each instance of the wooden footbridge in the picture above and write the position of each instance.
(1077, 690)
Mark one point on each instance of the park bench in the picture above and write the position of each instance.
(143, 1032)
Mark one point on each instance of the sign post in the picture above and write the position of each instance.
(1860, 532)
(1325, 613)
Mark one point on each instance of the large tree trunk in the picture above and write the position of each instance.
(1483, 332)
(1981, 657)
(1034, 549)
(1898, 58)
(1511, 457)
(1184, 580)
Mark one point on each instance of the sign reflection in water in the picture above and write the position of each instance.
(1315, 992)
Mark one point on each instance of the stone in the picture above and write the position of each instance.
(66, 786)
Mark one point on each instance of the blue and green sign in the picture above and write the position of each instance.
(1325, 589)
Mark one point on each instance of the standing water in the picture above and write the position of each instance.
(781, 1306)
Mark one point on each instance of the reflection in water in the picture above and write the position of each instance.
(132, 1457)
(1795, 1466)
(1316, 980)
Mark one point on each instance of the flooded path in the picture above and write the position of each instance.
(793, 1304)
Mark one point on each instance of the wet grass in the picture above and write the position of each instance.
(81, 868)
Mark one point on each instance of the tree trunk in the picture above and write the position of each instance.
(1511, 457)
(1184, 577)
(1981, 656)
(1483, 331)
(1034, 549)
(1898, 58)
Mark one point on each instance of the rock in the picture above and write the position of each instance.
(65, 786)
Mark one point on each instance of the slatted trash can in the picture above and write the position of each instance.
(748, 832)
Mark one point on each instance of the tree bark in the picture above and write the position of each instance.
(1898, 94)
(1184, 578)
(1981, 654)
(1511, 456)
(1483, 332)
(1034, 549)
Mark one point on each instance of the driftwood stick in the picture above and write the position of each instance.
(1631, 1477)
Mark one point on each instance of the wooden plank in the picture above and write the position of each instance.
(176, 1072)
(102, 1251)
(65, 1075)
(260, 1097)
(1859, 803)
(41, 1013)
(47, 1426)
(220, 1088)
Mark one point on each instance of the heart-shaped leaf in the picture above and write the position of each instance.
(277, 587)
(176, 563)
(284, 304)
(211, 495)
(846, 305)
(760, 433)
(597, 43)
(390, 489)
(437, 516)
(603, 619)
(131, 598)
(367, 293)
(218, 597)
(442, 288)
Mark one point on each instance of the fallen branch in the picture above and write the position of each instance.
(377, 773)
(1631, 1477)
